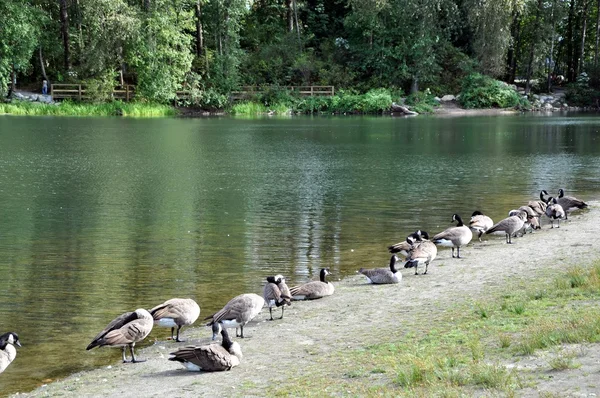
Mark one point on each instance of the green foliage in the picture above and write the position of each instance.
(18, 38)
(581, 93)
(480, 91)
(422, 102)
(200, 96)
(162, 55)
(67, 108)
(101, 88)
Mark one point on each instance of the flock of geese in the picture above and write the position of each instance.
(418, 249)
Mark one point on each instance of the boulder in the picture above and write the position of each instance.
(402, 109)
(448, 97)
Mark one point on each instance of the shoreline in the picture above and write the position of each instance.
(314, 336)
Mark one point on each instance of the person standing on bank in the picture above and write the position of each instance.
(45, 87)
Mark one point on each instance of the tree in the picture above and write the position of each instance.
(162, 53)
(18, 39)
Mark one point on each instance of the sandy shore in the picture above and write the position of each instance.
(352, 318)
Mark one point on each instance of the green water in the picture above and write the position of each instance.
(102, 216)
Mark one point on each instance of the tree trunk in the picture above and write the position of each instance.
(13, 80)
(79, 29)
(515, 32)
(597, 34)
(297, 24)
(64, 28)
(414, 87)
(550, 61)
(199, 37)
(570, 52)
(42, 64)
(289, 11)
(583, 32)
(534, 37)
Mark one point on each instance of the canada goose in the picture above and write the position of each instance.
(379, 276)
(554, 211)
(276, 293)
(532, 221)
(404, 247)
(510, 225)
(125, 330)
(422, 253)
(480, 223)
(569, 203)
(210, 357)
(314, 289)
(176, 312)
(454, 237)
(539, 206)
(7, 350)
(236, 313)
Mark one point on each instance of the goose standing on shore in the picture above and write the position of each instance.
(554, 211)
(539, 206)
(510, 225)
(314, 289)
(276, 294)
(210, 357)
(380, 276)
(236, 313)
(7, 350)
(176, 313)
(454, 237)
(480, 223)
(124, 331)
(569, 203)
(423, 252)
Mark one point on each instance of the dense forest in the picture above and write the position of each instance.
(215, 46)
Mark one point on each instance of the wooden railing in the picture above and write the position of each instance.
(79, 92)
(249, 91)
(127, 92)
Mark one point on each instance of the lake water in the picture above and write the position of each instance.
(102, 216)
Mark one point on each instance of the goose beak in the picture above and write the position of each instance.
(18, 343)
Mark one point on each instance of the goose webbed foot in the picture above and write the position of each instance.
(133, 360)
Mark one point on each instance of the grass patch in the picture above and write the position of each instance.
(464, 351)
(68, 108)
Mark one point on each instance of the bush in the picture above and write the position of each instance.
(422, 102)
(480, 91)
(581, 94)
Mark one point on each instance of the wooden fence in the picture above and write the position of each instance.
(127, 92)
(250, 91)
(79, 92)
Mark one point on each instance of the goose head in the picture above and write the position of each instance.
(422, 234)
(9, 338)
(456, 217)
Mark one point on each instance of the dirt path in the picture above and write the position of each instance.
(451, 108)
(352, 318)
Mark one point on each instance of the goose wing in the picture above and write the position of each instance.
(377, 275)
(125, 329)
(241, 308)
(210, 358)
(312, 290)
(401, 247)
(271, 292)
